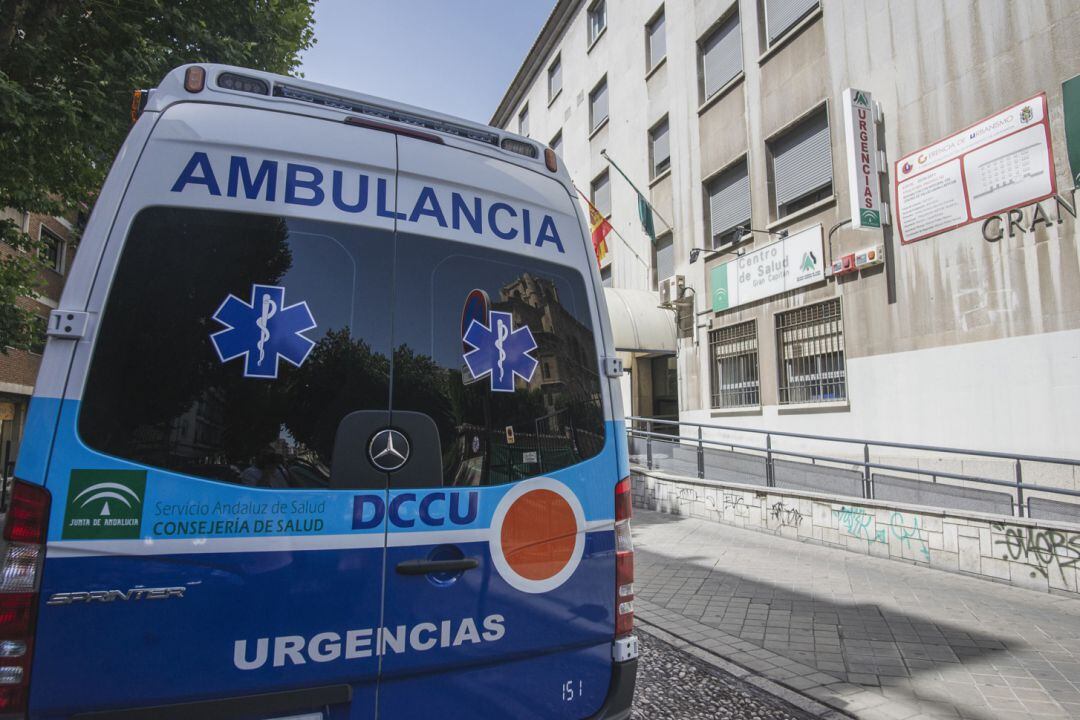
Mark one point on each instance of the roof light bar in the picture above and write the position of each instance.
(294, 93)
(519, 146)
(243, 83)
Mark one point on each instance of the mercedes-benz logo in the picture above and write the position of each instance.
(389, 450)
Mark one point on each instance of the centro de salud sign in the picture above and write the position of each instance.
(794, 262)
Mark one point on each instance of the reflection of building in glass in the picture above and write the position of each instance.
(566, 350)
(197, 433)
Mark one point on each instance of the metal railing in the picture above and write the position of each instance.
(645, 428)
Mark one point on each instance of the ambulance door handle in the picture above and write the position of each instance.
(423, 567)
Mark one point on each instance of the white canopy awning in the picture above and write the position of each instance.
(638, 323)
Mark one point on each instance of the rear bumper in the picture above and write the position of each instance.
(620, 695)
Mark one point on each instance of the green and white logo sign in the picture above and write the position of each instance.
(720, 293)
(104, 504)
(862, 159)
(778, 267)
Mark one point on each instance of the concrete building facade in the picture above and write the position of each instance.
(728, 115)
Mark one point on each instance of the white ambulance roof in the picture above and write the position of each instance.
(283, 93)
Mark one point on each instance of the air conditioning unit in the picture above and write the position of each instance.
(671, 290)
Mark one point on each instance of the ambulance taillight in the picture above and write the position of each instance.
(624, 561)
(21, 557)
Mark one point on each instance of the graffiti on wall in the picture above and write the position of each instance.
(857, 522)
(1042, 549)
(785, 515)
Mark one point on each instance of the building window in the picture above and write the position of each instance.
(655, 40)
(597, 20)
(52, 249)
(664, 258)
(600, 194)
(598, 108)
(728, 198)
(556, 143)
(782, 15)
(659, 148)
(801, 164)
(605, 276)
(554, 78)
(810, 349)
(720, 56)
(41, 329)
(523, 121)
(734, 367)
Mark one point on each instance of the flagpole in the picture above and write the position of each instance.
(617, 233)
(640, 194)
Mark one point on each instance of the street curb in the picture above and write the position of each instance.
(778, 690)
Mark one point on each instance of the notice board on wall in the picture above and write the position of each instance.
(999, 163)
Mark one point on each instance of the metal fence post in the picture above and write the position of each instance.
(700, 456)
(1019, 489)
(769, 480)
(868, 487)
(648, 444)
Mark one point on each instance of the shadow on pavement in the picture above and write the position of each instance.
(811, 616)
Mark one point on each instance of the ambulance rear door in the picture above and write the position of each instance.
(500, 563)
(202, 545)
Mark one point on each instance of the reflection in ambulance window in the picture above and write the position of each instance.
(553, 417)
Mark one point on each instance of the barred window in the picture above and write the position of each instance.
(810, 344)
(734, 366)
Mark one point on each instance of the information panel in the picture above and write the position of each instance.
(790, 263)
(997, 164)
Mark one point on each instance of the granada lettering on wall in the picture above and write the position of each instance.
(998, 164)
(1020, 221)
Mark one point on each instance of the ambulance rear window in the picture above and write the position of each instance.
(233, 345)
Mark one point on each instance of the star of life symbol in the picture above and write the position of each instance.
(500, 351)
(263, 330)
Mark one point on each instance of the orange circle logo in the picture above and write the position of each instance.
(538, 532)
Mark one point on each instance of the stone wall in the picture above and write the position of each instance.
(1035, 554)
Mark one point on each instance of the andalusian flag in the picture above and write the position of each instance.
(599, 227)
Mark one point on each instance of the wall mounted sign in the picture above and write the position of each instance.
(862, 160)
(1070, 102)
(793, 262)
(999, 163)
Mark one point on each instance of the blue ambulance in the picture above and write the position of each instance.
(328, 426)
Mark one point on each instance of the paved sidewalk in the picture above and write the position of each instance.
(873, 638)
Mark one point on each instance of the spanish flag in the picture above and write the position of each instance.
(599, 227)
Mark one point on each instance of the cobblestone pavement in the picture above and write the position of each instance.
(874, 638)
(674, 684)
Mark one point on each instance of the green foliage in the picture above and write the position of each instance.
(67, 71)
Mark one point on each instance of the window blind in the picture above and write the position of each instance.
(729, 201)
(721, 56)
(802, 159)
(781, 15)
